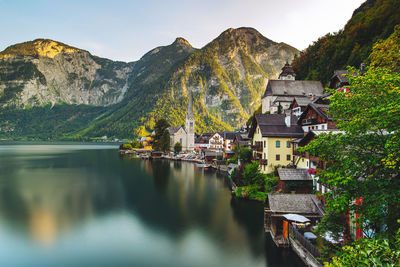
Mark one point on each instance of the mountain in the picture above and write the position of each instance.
(53, 80)
(226, 78)
(372, 21)
(44, 71)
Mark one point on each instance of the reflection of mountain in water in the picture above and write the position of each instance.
(46, 197)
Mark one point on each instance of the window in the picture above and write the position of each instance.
(288, 157)
(264, 143)
(278, 143)
(287, 144)
(180, 141)
(278, 157)
(307, 163)
(264, 156)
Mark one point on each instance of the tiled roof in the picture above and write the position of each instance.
(273, 125)
(293, 88)
(302, 204)
(286, 174)
(173, 130)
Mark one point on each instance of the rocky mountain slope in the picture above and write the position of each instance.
(44, 71)
(226, 78)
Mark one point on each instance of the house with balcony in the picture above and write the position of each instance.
(316, 117)
(271, 136)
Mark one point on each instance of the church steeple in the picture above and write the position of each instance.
(287, 72)
(190, 107)
(190, 125)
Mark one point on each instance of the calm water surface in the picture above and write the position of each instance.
(83, 205)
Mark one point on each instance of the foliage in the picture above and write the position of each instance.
(368, 252)
(233, 160)
(271, 181)
(386, 54)
(252, 174)
(364, 163)
(177, 147)
(127, 146)
(373, 20)
(161, 138)
(244, 154)
(253, 192)
(136, 144)
(60, 121)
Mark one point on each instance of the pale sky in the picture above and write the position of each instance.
(126, 30)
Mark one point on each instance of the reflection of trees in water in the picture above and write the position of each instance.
(191, 199)
(161, 173)
(48, 196)
(249, 214)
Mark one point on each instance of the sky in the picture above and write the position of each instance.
(125, 30)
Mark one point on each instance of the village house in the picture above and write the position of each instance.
(315, 117)
(279, 205)
(292, 180)
(228, 140)
(186, 135)
(272, 135)
(216, 142)
(241, 139)
(339, 81)
(279, 94)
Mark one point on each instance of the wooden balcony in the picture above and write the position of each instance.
(298, 153)
(309, 121)
(257, 147)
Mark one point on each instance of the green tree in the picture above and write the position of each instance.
(364, 161)
(177, 147)
(161, 137)
(252, 174)
(244, 154)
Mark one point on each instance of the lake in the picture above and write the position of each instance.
(84, 205)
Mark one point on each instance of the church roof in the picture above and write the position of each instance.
(173, 130)
(287, 70)
(190, 114)
(293, 88)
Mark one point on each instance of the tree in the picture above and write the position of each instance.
(161, 137)
(244, 154)
(364, 161)
(252, 174)
(177, 147)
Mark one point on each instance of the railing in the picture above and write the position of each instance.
(263, 162)
(257, 148)
(298, 153)
(304, 242)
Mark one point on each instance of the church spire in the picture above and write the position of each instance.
(190, 106)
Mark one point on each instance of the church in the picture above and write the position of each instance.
(185, 136)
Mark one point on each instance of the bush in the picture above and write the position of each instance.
(233, 160)
(127, 146)
(252, 174)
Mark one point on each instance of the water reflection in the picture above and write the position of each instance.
(111, 211)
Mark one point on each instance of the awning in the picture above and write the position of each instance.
(309, 235)
(296, 217)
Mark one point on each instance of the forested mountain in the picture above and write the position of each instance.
(226, 78)
(372, 21)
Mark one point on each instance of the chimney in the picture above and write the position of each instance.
(288, 118)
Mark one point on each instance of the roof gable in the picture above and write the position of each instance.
(293, 88)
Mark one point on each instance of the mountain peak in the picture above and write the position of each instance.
(38, 47)
(181, 41)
